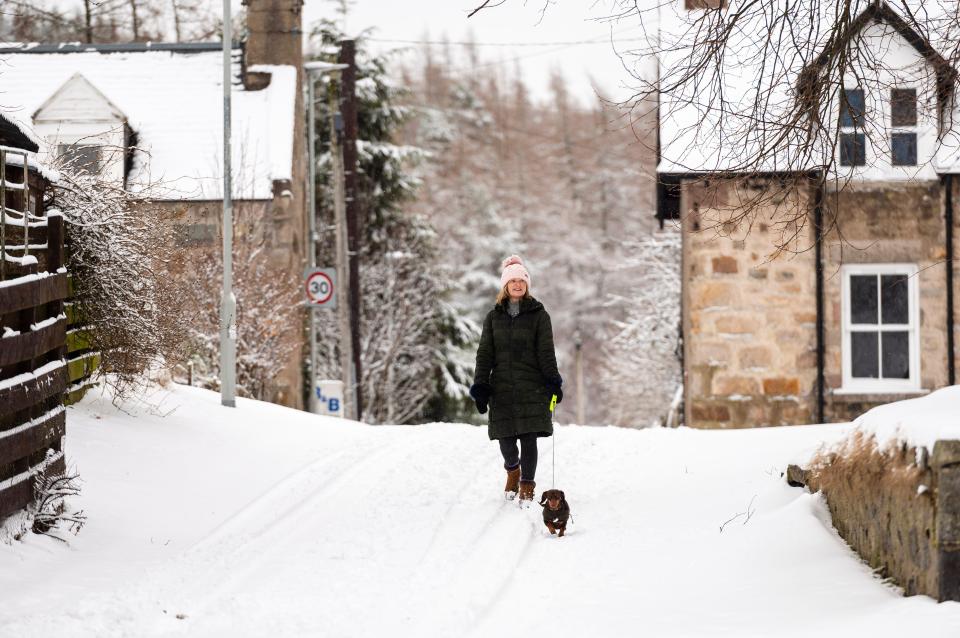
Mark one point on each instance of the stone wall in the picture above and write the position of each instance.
(900, 512)
(749, 315)
(877, 223)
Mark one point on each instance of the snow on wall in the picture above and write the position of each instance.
(918, 422)
(173, 102)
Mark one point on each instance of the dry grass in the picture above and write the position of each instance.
(860, 462)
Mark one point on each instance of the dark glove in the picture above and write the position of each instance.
(481, 396)
(554, 385)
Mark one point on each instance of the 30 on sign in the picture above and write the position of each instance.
(320, 286)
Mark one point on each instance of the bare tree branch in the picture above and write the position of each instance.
(486, 5)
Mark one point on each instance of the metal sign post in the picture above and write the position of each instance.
(312, 71)
(320, 288)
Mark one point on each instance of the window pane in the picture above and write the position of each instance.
(896, 355)
(81, 157)
(863, 299)
(852, 108)
(853, 149)
(904, 149)
(903, 107)
(864, 355)
(894, 301)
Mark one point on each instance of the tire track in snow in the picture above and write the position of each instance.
(242, 518)
(267, 561)
(445, 522)
(222, 563)
(258, 550)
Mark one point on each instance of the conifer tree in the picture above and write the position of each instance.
(409, 333)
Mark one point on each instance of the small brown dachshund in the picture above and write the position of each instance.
(556, 511)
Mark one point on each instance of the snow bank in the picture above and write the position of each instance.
(918, 422)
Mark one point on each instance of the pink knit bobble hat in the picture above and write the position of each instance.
(513, 268)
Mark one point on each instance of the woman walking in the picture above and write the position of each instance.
(516, 375)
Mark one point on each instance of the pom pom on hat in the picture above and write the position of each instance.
(512, 259)
(513, 268)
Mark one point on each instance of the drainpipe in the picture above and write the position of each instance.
(948, 215)
(818, 256)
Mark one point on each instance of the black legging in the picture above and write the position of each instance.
(526, 458)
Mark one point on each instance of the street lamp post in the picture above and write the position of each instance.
(228, 302)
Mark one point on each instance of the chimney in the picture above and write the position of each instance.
(274, 32)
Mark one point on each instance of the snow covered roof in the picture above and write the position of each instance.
(14, 133)
(172, 97)
(17, 137)
(759, 78)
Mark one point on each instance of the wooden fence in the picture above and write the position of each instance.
(83, 360)
(33, 343)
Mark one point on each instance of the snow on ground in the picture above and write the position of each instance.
(919, 422)
(265, 521)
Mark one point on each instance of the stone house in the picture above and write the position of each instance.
(149, 116)
(848, 302)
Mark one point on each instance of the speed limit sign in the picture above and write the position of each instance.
(320, 285)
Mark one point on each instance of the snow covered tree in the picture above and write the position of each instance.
(265, 309)
(408, 330)
(641, 369)
(112, 21)
(568, 187)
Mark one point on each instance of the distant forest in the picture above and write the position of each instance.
(568, 186)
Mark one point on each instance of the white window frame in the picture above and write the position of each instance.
(881, 386)
(853, 130)
(915, 129)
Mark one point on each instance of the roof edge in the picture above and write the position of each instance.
(130, 47)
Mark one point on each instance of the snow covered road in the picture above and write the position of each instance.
(264, 521)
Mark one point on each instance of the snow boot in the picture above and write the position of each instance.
(526, 493)
(513, 484)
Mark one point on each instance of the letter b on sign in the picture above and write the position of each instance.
(330, 397)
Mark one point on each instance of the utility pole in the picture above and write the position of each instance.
(349, 111)
(344, 301)
(228, 302)
(312, 227)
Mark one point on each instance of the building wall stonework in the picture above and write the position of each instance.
(885, 223)
(257, 223)
(749, 312)
(956, 275)
(275, 36)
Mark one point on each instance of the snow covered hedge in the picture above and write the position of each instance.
(125, 266)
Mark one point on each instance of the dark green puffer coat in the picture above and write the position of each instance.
(516, 358)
